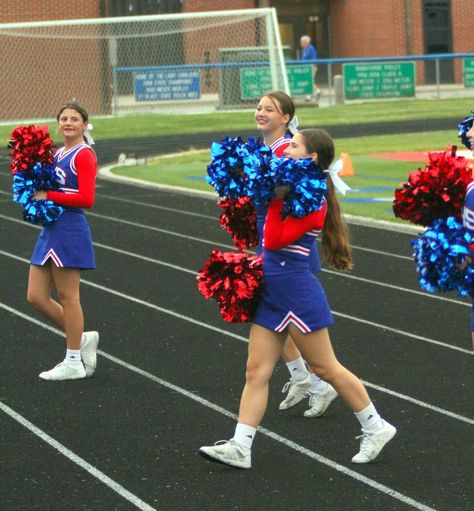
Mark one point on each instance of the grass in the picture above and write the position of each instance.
(374, 177)
(132, 126)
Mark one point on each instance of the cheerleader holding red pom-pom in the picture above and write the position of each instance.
(275, 118)
(64, 248)
(294, 303)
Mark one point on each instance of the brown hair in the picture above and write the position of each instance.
(282, 102)
(336, 247)
(74, 105)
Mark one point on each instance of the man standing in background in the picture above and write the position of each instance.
(309, 53)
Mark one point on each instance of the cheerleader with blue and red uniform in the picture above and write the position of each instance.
(276, 121)
(64, 247)
(293, 302)
(468, 210)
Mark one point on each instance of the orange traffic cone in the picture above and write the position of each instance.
(347, 168)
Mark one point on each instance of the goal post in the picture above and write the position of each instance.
(187, 62)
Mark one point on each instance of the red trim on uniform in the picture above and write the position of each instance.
(292, 318)
(56, 260)
(279, 146)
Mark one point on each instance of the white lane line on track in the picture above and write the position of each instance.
(332, 272)
(215, 244)
(157, 206)
(94, 472)
(208, 404)
(335, 313)
(404, 397)
(215, 218)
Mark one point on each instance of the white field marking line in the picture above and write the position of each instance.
(402, 333)
(142, 302)
(352, 318)
(340, 314)
(213, 243)
(157, 229)
(274, 436)
(420, 403)
(235, 336)
(116, 487)
(385, 225)
(381, 252)
(156, 206)
(332, 272)
(398, 288)
(214, 218)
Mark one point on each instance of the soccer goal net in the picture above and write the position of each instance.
(164, 63)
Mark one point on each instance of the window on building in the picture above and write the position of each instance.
(142, 7)
(438, 38)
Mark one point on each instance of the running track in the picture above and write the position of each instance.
(171, 371)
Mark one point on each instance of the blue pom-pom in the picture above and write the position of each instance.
(23, 187)
(308, 186)
(42, 212)
(233, 164)
(26, 183)
(44, 177)
(440, 253)
(463, 127)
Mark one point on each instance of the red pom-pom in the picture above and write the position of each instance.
(30, 145)
(233, 280)
(239, 219)
(437, 191)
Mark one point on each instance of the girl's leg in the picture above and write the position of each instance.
(67, 282)
(265, 347)
(300, 380)
(317, 350)
(40, 285)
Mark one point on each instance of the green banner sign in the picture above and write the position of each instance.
(468, 72)
(384, 80)
(255, 81)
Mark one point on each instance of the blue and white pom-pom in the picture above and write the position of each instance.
(233, 161)
(308, 187)
(26, 183)
(440, 253)
(42, 212)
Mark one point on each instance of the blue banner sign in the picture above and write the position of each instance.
(167, 85)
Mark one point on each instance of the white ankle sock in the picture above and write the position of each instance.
(369, 418)
(317, 385)
(73, 357)
(297, 369)
(244, 435)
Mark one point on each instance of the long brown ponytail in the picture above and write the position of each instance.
(336, 249)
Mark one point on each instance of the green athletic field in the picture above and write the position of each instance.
(375, 178)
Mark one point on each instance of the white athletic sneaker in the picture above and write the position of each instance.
(320, 401)
(64, 371)
(89, 345)
(372, 443)
(228, 453)
(297, 391)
